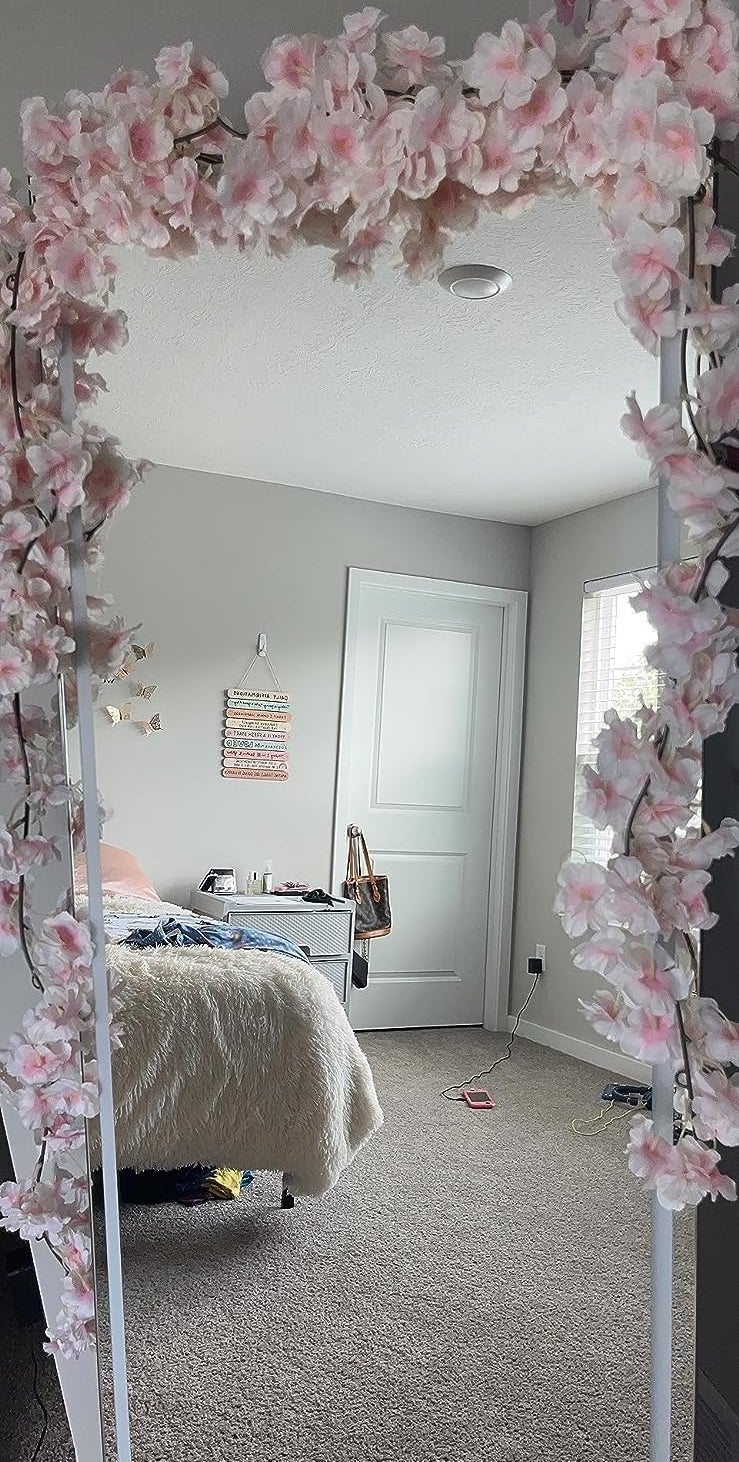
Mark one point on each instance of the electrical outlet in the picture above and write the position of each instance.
(541, 953)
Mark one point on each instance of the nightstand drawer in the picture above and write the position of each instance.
(323, 932)
(337, 972)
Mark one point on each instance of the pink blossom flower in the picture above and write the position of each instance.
(360, 29)
(94, 329)
(695, 1175)
(67, 944)
(718, 390)
(545, 108)
(506, 67)
(715, 325)
(637, 196)
(633, 51)
(647, 260)
(177, 67)
(109, 210)
(696, 489)
(655, 434)
(650, 1035)
(650, 1155)
(631, 121)
(32, 1104)
(414, 56)
(606, 1012)
(251, 192)
(676, 156)
(716, 1106)
(498, 160)
(291, 61)
(677, 618)
(581, 889)
(46, 137)
(61, 465)
(606, 801)
(18, 530)
(340, 137)
(669, 16)
(681, 902)
(15, 669)
(35, 1210)
(75, 266)
(711, 1033)
(649, 319)
(38, 1064)
(441, 121)
(63, 1134)
(681, 1173)
(651, 978)
(148, 138)
(71, 1100)
(565, 11)
(603, 953)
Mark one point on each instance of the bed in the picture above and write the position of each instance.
(236, 1058)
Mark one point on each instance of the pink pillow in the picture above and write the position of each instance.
(122, 874)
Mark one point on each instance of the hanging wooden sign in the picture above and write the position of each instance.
(257, 726)
(255, 776)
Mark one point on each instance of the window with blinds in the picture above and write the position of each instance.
(613, 675)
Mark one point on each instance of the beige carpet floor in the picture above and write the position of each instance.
(476, 1289)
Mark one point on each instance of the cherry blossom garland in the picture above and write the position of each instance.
(377, 146)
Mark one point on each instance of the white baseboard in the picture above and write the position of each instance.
(609, 1059)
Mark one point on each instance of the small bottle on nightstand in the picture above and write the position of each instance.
(255, 883)
(267, 879)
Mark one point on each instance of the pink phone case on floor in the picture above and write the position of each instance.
(478, 1098)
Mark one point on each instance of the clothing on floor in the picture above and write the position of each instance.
(188, 1186)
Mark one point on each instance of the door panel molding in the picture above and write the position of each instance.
(499, 912)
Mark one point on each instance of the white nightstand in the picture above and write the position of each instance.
(325, 931)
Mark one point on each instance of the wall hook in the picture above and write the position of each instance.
(262, 644)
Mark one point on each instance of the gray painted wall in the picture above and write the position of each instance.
(612, 539)
(275, 559)
(206, 562)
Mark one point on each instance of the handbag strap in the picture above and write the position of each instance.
(357, 857)
(365, 855)
(352, 856)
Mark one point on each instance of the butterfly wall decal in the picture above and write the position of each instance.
(118, 713)
(142, 692)
(142, 652)
(155, 724)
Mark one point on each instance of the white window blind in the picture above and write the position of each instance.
(614, 675)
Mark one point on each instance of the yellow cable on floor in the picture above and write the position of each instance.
(591, 1126)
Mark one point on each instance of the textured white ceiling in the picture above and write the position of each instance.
(403, 394)
(395, 392)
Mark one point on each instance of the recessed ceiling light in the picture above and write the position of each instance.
(474, 281)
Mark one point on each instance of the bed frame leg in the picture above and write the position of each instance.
(288, 1200)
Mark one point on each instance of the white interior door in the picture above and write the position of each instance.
(426, 668)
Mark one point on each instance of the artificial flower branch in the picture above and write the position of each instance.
(376, 146)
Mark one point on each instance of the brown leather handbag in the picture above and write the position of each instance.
(368, 889)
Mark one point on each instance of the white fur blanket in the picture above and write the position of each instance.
(237, 1058)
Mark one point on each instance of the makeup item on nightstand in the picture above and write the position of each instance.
(254, 882)
(267, 879)
(219, 880)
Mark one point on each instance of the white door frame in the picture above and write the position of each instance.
(514, 604)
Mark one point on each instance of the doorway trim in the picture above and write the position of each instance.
(506, 779)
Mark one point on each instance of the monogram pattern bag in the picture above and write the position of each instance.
(368, 889)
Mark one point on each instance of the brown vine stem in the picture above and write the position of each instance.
(660, 747)
(22, 931)
(16, 278)
(684, 1049)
